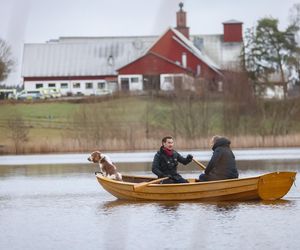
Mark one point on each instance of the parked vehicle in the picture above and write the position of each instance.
(30, 95)
(55, 93)
(8, 93)
(51, 92)
(100, 92)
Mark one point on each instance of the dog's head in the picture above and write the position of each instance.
(95, 157)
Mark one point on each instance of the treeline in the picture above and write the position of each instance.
(139, 122)
(238, 108)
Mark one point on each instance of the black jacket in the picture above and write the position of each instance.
(164, 165)
(222, 164)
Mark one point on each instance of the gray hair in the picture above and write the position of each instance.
(215, 138)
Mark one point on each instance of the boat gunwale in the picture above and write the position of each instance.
(173, 184)
(120, 189)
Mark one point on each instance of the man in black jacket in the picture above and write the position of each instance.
(222, 164)
(166, 160)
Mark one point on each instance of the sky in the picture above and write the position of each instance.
(37, 21)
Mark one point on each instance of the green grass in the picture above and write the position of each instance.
(51, 118)
(54, 124)
(38, 111)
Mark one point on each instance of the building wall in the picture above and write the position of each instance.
(173, 50)
(233, 32)
(167, 82)
(135, 82)
(74, 87)
(224, 54)
(150, 65)
(231, 53)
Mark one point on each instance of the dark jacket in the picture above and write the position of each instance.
(164, 165)
(222, 164)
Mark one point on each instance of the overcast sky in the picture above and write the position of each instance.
(37, 21)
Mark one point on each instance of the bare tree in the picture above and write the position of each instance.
(17, 132)
(238, 100)
(294, 15)
(6, 63)
(191, 111)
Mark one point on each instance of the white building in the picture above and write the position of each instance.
(88, 65)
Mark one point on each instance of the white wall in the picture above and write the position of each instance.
(133, 86)
(59, 84)
(167, 82)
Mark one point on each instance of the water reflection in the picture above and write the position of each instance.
(120, 203)
(223, 207)
(71, 209)
(109, 206)
(226, 207)
(168, 206)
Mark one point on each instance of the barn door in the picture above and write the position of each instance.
(151, 82)
(125, 84)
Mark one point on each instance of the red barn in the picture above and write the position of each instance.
(171, 61)
(100, 65)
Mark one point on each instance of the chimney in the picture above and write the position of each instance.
(181, 22)
(184, 60)
(233, 31)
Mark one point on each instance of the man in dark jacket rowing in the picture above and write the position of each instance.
(222, 164)
(166, 160)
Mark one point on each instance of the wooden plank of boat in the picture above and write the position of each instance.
(270, 186)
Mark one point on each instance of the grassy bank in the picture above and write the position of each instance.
(133, 123)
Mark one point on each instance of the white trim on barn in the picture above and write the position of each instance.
(168, 81)
(130, 82)
(74, 87)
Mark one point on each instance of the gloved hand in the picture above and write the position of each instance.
(189, 157)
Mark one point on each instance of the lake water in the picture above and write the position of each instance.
(64, 207)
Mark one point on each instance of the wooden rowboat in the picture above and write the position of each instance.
(270, 186)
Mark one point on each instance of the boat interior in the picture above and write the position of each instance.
(140, 179)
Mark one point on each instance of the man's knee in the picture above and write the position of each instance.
(181, 180)
(203, 177)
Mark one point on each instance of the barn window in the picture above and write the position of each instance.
(76, 85)
(88, 85)
(64, 85)
(38, 85)
(168, 79)
(51, 85)
(101, 85)
(134, 79)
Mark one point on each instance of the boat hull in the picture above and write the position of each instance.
(270, 186)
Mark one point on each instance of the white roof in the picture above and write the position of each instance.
(232, 21)
(98, 56)
(82, 56)
(197, 52)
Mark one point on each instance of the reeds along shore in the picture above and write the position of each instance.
(129, 123)
(137, 144)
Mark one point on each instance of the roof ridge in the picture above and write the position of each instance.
(197, 52)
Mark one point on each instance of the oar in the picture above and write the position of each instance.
(140, 186)
(199, 164)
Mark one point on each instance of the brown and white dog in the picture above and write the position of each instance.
(106, 166)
